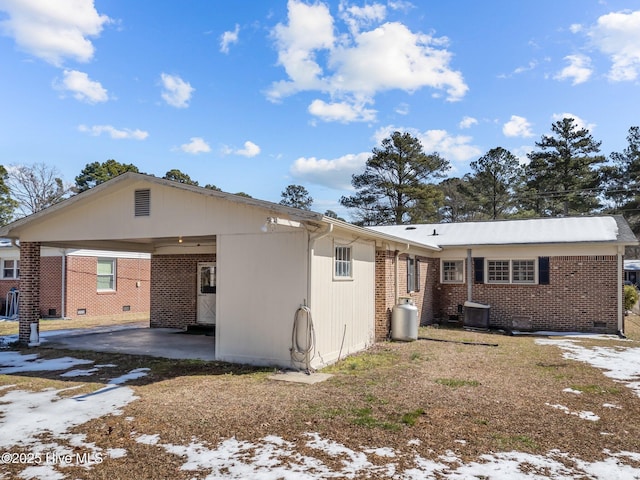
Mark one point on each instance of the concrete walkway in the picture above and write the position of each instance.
(155, 342)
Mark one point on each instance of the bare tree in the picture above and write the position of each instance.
(35, 187)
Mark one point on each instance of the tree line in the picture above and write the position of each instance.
(566, 175)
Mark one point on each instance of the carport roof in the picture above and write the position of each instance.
(310, 218)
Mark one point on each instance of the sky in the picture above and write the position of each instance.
(255, 95)
(59, 417)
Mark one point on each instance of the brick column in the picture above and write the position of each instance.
(29, 309)
(385, 293)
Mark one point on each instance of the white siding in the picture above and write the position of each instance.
(262, 281)
(343, 310)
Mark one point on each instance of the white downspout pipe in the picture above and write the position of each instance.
(469, 273)
(395, 267)
(620, 291)
(63, 303)
(311, 243)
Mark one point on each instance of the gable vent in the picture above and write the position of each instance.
(143, 203)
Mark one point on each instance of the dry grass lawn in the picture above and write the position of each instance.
(440, 392)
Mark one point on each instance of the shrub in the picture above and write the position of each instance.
(630, 297)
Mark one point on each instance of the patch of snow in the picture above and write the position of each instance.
(15, 362)
(132, 375)
(611, 405)
(571, 390)
(620, 363)
(585, 415)
(28, 416)
(116, 452)
(414, 441)
(80, 372)
(381, 452)
(273, 457)
(148, 439)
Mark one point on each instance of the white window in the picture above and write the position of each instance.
(498, 271)
(11, 269)
(523, 271)
(452, 271)
(511, 271)
(106, 274)
(342, 262)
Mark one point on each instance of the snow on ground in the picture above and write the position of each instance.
(25, 416)
(28, 415)
(275, 458)
(620, 363)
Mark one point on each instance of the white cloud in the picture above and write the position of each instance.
(341, 111)
(402, 109)
(360, 64)
(579, 69)
(250, 150)
(195, 146)
(228, 38)
(467, 122)
(177, 92)
(618, 35)
(358, 17)
(53, 31)
(580, 123)
(117, 134)
(82, 87)
(575, 28)
(335, 173)
(517, 127)
(457, 148)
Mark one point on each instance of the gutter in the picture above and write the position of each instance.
(311, 243)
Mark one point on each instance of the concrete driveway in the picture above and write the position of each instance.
(155, 342)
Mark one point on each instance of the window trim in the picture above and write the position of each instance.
(511, 280)
(452, 282)
(113, 275)
(15, 269)
(342, 262)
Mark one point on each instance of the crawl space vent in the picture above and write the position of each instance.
(143, 203)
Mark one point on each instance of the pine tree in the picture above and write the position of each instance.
(395, 188)
(564, 174)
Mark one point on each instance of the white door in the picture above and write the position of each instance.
(207, 293)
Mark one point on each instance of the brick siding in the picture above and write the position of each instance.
(385, 292)
(131, 295)
(173, 289)
(582, 295)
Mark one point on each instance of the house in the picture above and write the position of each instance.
(632, 272)
(81, 283)
(281, 286)
(290, 287)
(558, 274)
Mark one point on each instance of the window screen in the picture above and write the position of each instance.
(342, 262)
(106, 274)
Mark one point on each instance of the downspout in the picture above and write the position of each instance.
(63, 303)
(311, 243)
(395, 267)
(469, 273)
(620, 292)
